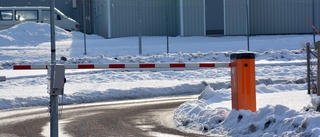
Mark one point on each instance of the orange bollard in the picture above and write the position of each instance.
(243, 81)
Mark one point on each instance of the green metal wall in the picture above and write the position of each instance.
(280, 16)
(186, 17)
(100, 17)
(270, 16)
(193, 15)
(157, 17)
(235, 17)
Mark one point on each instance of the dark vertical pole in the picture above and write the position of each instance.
(248, 24)
(308, 67)
(318, 71)
(167, 24)
(84, 27)
(313, 22)
(140, 26)
(53, 98)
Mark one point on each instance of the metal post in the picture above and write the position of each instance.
(308, 68)
(53, 98)
(140, 27)
(167, 24)
(313, 22)
(318, 71)
(2, 78)
(84, 27)
(248, 24)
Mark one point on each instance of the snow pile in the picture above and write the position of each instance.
(33, 34)
(30, 34)
(316, 103)
(270, 120)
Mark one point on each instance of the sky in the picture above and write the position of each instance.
(283, 106)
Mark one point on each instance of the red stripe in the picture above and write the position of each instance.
(147, 66)
(205, 65)
(117, 65)
(179, 65)
(22, 67)
(85, 66)
(230, 65)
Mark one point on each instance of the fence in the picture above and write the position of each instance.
(313, 69)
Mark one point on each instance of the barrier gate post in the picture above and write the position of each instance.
(2, 78)
(243, 81)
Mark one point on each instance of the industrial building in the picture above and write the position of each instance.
(123, 18)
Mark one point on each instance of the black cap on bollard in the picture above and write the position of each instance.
(242, 56)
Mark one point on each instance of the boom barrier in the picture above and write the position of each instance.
(243, 84)
(130, 66)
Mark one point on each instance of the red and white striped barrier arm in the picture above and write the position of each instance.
(130, 66)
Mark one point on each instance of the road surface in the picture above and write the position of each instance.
(138, 118)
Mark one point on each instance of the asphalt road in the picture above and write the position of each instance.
(138, 118)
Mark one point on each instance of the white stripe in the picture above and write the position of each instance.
(222, 64)
(132, 65)
(38, 66)
(101, 66)
(192, 65)
(71, 66)
(162, 65)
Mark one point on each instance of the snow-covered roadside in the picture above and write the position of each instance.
(103, 85)
(212, 115)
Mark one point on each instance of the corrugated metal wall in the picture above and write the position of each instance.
(316, 14)
(24, 3)
(214, 17)
(193, 18)
(63, 5)
(125, 16)
(235, 17)
(100, 17)
(270, 16)
(88, 14)
(280, 16)
(266, 16)
(156, 15)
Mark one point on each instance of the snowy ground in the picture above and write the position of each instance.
(281, 89)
